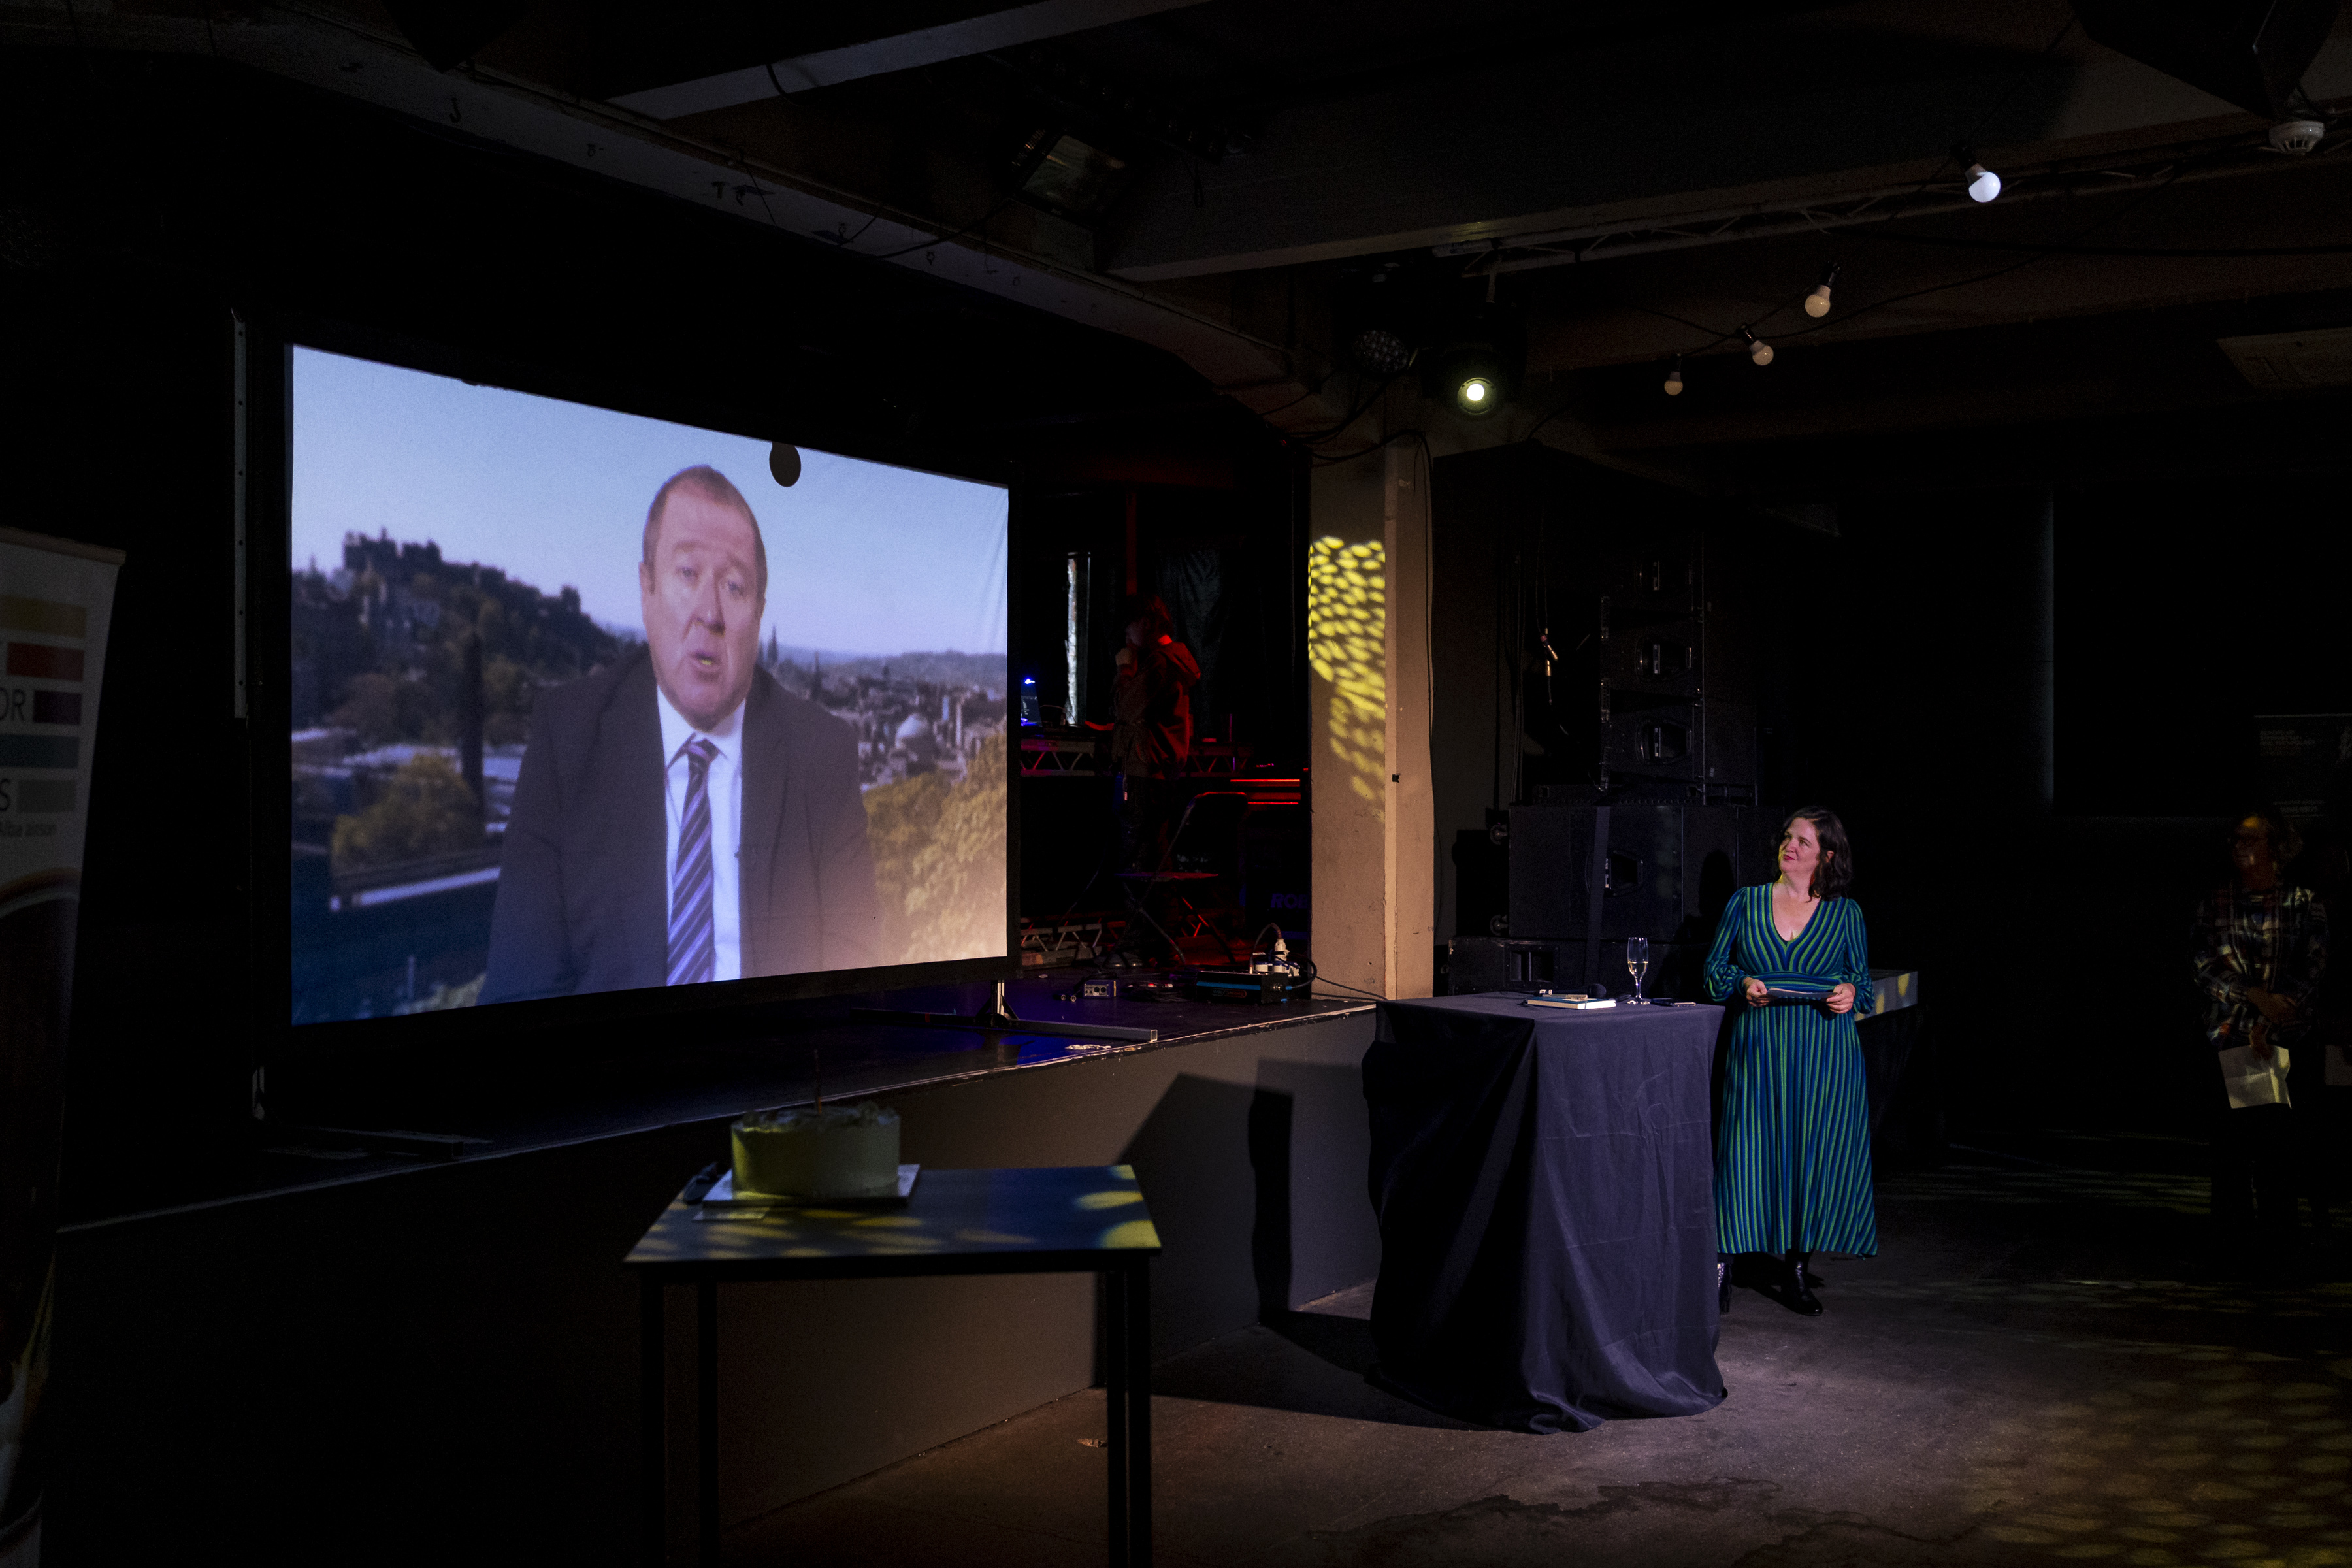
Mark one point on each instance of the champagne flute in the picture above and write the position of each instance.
(1637, 960)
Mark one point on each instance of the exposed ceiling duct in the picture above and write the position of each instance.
(450, 32)
(2251, 53)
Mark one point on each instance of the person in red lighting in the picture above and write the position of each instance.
(1151, 736)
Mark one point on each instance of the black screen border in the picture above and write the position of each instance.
(269, 340)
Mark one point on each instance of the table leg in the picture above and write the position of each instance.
(706, 1417)
(652, 1419)
(1115, 1405)
(1139, 1413)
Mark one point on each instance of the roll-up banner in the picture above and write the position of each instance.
(55, 600)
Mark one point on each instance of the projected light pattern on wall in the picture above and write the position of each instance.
(1346, 646)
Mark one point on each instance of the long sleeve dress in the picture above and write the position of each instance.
(1792, 1158)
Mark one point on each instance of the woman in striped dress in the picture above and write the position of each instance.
(1793, 1156)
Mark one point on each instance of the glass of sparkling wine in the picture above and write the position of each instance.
(1637, 960)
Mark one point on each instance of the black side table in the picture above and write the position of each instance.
(1067, 1219)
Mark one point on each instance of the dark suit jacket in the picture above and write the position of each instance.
(584, 895)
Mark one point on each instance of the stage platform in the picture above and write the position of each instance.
(465, 1330)
(328, 1133)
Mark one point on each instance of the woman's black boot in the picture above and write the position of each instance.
(1800, 1297)
(1722, 1284)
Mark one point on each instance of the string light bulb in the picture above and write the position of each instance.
(1817, 303)
(1983, 183)
(1675, 378)
(1758, 348)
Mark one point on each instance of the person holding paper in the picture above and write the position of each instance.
(1792, 1155)
(2260, 946)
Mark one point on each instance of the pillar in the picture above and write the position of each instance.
(1375, 855)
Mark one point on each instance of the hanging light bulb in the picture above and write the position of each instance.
(1817, 303)
(1758, 348)
(1983, 183)
(1675, 378)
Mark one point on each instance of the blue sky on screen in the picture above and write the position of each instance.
(862, 558)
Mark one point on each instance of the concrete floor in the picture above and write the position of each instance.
(2034, 1369)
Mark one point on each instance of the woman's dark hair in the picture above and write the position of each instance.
(1835, 875)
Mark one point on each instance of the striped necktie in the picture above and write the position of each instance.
(693, 952)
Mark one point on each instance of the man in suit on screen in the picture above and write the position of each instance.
(680, 817)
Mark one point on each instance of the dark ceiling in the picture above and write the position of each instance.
(1630, 182)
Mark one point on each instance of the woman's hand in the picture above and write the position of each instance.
(1754, 990)
(1840, 999)
(2260, 1040)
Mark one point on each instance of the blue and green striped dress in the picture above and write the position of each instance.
(1792, 1157)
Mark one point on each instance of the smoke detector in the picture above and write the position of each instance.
(2296, 136)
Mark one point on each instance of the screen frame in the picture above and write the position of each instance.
(265, 409)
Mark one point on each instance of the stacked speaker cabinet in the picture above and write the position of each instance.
(1626, 710)
(1590, 877)
(1664, 713)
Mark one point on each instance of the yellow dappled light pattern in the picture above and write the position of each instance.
(1056, 1210)
(2196, 1454)
(1134, 1233)
(1346, 646)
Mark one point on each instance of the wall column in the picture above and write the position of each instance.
(1375, 844)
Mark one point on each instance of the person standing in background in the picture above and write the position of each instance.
(2261, 945)
(2326, 868)
(1152, 735)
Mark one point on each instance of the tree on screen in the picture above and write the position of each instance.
(425, 810)
(939, 859)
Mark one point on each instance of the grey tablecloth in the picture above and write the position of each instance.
(1545, 1186)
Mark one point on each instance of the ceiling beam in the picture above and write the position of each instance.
(2072, 179)
(879, 57)
(1583, 148)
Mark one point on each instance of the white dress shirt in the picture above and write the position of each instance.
(724, 784)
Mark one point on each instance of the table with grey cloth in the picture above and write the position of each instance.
(1543, 1182)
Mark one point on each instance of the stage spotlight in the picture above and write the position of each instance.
(1379, 352)
(1758, 348)
(1675, 378)
(1983, 183)
(1817, 303)
(1479, 371)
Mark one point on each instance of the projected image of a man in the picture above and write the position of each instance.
(679, 817)
(703, 584)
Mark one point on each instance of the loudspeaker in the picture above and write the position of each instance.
(1665, 871)
(1659, 651)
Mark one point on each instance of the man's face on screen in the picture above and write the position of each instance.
(702, 606)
